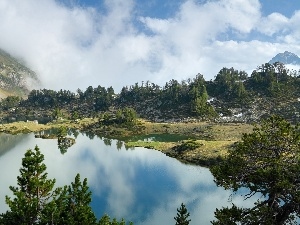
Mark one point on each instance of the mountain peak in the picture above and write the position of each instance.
(286, 58)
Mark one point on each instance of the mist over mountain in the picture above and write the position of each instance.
(286, 58)
(15, 77)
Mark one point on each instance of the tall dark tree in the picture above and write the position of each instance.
(76, 199)
(229, 84)
(182, 216)
(33, 195)
(267, 162)
(36, 203)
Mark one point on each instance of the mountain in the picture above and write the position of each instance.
(15, 77)
(286, 58)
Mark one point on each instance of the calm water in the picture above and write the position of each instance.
(139, 184)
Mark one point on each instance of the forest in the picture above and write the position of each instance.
(270, 86)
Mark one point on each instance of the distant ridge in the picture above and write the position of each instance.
(286, 58)
(15, 78)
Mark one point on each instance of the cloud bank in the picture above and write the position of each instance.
(75, 47)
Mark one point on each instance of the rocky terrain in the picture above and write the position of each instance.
(15, 78)
(286, 58)
(261, 108)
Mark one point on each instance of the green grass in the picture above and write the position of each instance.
(161, 146)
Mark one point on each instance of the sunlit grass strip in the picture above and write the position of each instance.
(209, 149)
(161, 146)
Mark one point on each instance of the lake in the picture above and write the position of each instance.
(141, 185)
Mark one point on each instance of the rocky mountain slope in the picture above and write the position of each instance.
(15, 78)
(286, 58)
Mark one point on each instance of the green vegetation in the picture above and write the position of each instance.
(182, 216)
(162, 146)
(213, 139)
(35, 201)
(126, 117)
(30, 204)
(10, 102)
(270, 89)
(187, 145)
(265, 162)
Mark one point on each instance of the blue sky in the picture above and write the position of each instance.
(167, 8)
(76, 43)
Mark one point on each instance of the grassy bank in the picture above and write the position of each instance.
(211, 141)
(206, 154)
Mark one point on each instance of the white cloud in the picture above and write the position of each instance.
(77, 47)
(273, 23)
(294, 36)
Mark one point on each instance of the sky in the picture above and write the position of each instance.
(74, 44)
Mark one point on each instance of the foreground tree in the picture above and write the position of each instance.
(266, 162)
(77, 199)
(36, 203)
(32, 201)
(182, 216)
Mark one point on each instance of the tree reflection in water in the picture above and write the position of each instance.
(64, 143)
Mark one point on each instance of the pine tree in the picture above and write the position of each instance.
(77, 209)
(114, 222)
(35, 202)
(264, 162)
(182, 216)
(33, 196)
(104, 220)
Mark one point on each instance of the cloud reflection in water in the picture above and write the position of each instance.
(141, 185)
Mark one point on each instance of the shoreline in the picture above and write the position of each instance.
(206, 143)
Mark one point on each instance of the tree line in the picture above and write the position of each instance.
(190, 97)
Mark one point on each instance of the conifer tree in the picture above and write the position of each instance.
(265, 162)
(36, 203)
(104, 220)
(182, 216)
(77, 206)
(33, 194)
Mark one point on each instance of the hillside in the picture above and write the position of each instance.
(15, 78)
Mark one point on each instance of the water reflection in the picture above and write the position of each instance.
(64, 143)
(143, 185)
(8, 141)
(119, 144)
